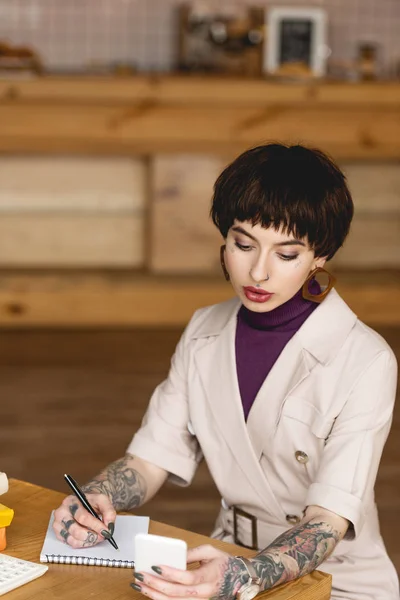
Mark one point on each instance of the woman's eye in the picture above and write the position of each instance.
(243, 247)
(288, 256)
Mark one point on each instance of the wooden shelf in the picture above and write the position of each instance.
(145, 115)
(120, 300)
(196, 90)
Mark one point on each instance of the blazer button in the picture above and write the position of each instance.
(224, 504)
(293, 519)
(301, 457)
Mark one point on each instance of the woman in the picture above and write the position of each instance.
(282, 390)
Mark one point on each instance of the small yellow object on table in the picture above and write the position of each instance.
(6, 516)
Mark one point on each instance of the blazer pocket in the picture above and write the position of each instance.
(307, 414)
(300, 438)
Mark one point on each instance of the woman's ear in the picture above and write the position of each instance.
(320, 262)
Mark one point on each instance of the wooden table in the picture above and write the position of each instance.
(32, 505)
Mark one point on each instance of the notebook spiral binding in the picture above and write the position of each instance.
(86, 560)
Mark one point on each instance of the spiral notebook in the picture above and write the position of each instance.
(102, 555)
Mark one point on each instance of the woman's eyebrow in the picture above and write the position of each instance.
(239, 229)
(290, 243)
(244, 232)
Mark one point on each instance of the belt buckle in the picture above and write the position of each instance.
(238, 512)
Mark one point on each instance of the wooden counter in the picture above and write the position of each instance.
(146, 115)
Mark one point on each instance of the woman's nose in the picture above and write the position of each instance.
(259, 271)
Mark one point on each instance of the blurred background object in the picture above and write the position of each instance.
(157, 35)
(229, 40)
(18, 59)
(116, 117)
(297, 42)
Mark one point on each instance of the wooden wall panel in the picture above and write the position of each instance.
(183, 237)
(71, 183)
(374, 239)
(375, 187)
(71, 241)
(373, 242)
(72, 212)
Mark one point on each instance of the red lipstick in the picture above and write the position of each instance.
(257, 294)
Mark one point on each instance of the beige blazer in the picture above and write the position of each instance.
(314, 435)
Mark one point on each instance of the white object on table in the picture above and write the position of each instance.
(15, 572)
(3, 483)
(159, 550)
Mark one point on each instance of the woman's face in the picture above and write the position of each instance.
(253, 253)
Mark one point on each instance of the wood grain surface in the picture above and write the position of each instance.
(142, 115)
(32, 505)
(128, 299)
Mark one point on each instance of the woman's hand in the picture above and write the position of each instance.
(219, 576)
(75, 526)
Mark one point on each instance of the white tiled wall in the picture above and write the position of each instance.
(73, 34)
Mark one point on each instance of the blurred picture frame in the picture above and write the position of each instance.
(296, 41)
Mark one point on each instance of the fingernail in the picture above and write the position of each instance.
(106, 534)
(157, 570)
(139, 576)
(136, 587)
(111, 527)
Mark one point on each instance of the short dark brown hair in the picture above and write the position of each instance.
(298, 188)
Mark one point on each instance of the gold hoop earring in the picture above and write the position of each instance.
(222, 259)
(317, 297)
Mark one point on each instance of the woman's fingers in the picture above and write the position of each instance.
(176, 576)
(102, 505)
(75, 535)
(76, 526)
(82, 516)
(160, 589)
(204, 582)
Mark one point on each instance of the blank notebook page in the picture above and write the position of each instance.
(126, 528)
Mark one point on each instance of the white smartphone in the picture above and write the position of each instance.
(154, 550)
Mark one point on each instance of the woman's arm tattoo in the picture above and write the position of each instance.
(125, 486)
(295, 553)
(233, 576)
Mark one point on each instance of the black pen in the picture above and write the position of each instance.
(81, 496)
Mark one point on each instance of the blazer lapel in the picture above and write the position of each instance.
(317, 341)
(290, 369)
(216, 364)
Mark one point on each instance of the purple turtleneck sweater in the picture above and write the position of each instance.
(261, 337)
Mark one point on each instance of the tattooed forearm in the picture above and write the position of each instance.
(233, 576)
(295, 553)
(125, 486)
